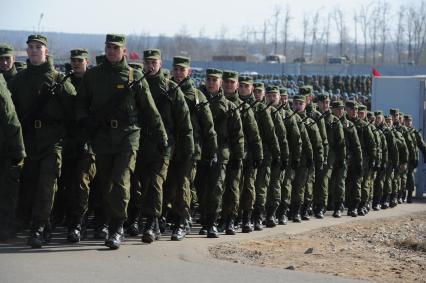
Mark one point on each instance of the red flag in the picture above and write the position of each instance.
(376, 73)
(134, 55)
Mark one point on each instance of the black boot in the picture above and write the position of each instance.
(394, 200)
(257, 222)
(74, 233)
(296, 215)
(211, 227)
(270, 219)
(319, 213)
(151, 231)
(282, 218)
(229, 226)
(35, 240)
(116, 234)
(101, 232)
(179, 230)
(385, 201)
(247, 226)
(410, 197)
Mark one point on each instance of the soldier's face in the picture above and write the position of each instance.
(114, 53)
(230, 86)
(37, 52)
(259, 94)
(352, 113)
(338, 111)
(6, 62)
(79, 66)
(179, 73)
(299, 106)
(379, 120)
(245, 89)
(362, 114)
(284, 99)
(408, 123)
(213, 84)
(324, 105)
(273, 97)
(395, 118)
(389, 122)
(152, 66)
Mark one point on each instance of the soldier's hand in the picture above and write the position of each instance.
(403, 167)
(276, 162)
(295, 164)
(309, 162)
(284, 164)
(256, 163)
(372, 164)
(235, 164)
(212, 161)
(16, 161)
(162, 146)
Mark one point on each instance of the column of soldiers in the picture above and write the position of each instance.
(138, 149)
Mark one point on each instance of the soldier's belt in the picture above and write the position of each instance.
(38, 124)
(115, 124)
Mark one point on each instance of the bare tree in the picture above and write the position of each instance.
(276, 20)
(417, 16)
(315, 21)
(286, 26)
(373, 31)
(383, 10)
(305, 34)
(400, 33)
(339, 20)
(327, 38)
(363, 18)
(356, 37)
(264, 37)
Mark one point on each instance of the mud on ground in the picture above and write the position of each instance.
(384, 250)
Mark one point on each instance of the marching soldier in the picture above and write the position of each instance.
(112, 101)
(12, 154)
(44, 101)
(7, 62)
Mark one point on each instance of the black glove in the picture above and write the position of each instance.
(256, 163)
(377, 166)
(234, 164)
(162, 146)
(295, 164)
(284, 164)
(309, 162)
(212, 161)
(16, 161)
(319, 166)
(276, 162)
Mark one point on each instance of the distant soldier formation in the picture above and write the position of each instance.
(127, 148)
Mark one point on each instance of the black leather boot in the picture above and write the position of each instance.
(211, 227)
(179, 229)
(247, 226)
(35, 240)
(229, 226)
(116, 234)
(74, 233)
(151, 231)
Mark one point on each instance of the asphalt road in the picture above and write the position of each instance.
(163, 261)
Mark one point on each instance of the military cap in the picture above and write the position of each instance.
(6, 50)
(369, 114)
(408, 117)
(351, 104)
(166, 73)
(305, 90)
(323, 97)
(230, 75)
(378, 113)
(37, 37)
(283, 91)
(136, 65)
(154, 54)
(388, 117)
(116, 39)
(362, 107)
(212, 72)
(337, 104)
(259, 85)
(181, 61)
(299, 97)
(80, 53)
(272, 89)
(394, 111)
(245, 80)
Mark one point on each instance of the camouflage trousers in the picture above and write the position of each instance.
(353, 188)
(379, 184)
(177, 188)
(10, 175)
(114, 171)
(39, 185)
(309, 189)
(321, 187)
(210, 183)
(286, 188)
(298, 187)
(387, 184)
(231, 194)
(247, 187)
(411, 179)
(337, 187)
(261, 184)
(273, 196)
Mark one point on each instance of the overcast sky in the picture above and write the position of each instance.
(166, 17)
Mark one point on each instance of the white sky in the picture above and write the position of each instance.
(167, 17)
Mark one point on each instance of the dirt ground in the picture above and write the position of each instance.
(385, 250)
